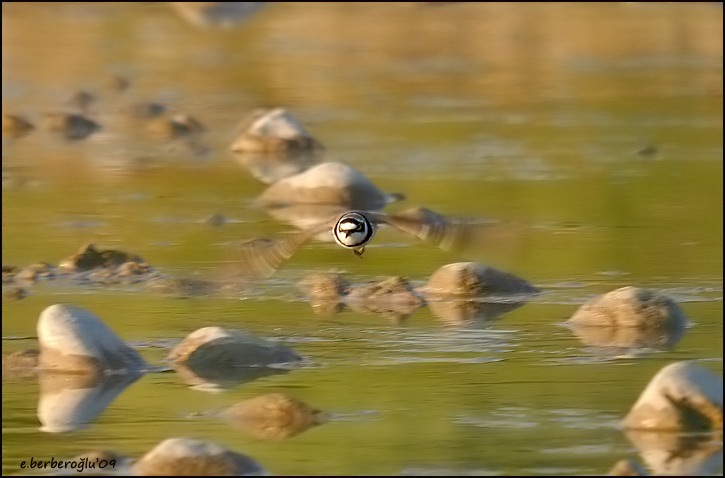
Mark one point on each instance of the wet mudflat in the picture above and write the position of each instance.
(595, 129)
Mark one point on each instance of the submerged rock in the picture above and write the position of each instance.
(330, 183)
(191, 457)
(683, 396)
(274, 416)
(183, 287)
(73, 339)
(470, 279)
(272, 131)
(631, 307)
(214, 357)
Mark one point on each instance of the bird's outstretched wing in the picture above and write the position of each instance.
(447, 233)
(262, 257)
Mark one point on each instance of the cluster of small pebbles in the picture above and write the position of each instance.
(89, 265)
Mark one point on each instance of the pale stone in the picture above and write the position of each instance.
(191, 457)
(631, 307)
(470, 279)
(683, 396)
(213, 358)
(327, 183)
(271, 131)
(216, 344)
(74, 339)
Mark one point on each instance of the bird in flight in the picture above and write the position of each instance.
(354, 230)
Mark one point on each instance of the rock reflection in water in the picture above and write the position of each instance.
(305, 216)
(627, 338)
(69, 402)
(471, 312)
(271, 167)
(679, 454)
(223, 376)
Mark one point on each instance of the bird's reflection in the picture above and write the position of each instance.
(70, 401)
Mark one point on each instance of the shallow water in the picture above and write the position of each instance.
(598, 127)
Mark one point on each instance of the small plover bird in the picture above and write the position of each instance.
(354, 230)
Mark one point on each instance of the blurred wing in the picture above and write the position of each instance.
(448, 234)
(262, 257)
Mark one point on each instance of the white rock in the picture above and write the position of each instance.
(683, 396)
(74, 339)
(191, 457)
(274, 130)
(630, 307)
(327, 183)
(470, 279)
